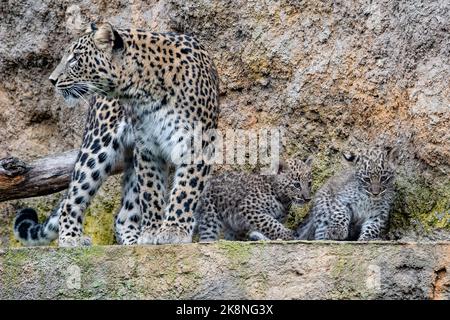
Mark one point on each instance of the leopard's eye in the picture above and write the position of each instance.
(297, 185)
(73, 61)
(366, 179)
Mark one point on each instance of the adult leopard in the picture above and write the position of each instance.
(167, 87)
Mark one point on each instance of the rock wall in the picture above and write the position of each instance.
(334, 74)
(229, 270)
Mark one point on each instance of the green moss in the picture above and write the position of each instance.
(421, 205)
(177, 274)
(349, 273)
(239, 255)
(85, 256)
(13, 260)
(258, 64)
(12, 242)
(99, 220)
(323, 168)
(237, 252)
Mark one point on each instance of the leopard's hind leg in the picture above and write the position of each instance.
(128, 220)
(260, 219)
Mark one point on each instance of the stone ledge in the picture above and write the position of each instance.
(230, 270)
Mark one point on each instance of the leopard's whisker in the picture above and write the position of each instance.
(92, 87)
(81, 96)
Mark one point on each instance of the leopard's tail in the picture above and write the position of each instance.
(30, 232)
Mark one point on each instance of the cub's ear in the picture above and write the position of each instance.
(282, 166)
(107, 38)
(91, 27)
(394, 156)
(350, 156)
(309, 161)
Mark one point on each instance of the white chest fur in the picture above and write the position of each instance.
(160, 129)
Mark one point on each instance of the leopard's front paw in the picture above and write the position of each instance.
(129, 241)
(147, 236)
(79, 241)
(172, 234)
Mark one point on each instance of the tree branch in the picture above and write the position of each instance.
(41, 177)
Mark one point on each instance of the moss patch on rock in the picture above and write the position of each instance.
(99, 219)
(421, 205)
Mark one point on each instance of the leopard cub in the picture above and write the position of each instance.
(354, 204)
(242, 205)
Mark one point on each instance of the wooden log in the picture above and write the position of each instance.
(44, 176)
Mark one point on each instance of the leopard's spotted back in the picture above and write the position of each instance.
(240, 203)
(355, 203)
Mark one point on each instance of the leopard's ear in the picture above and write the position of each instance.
(309, 161)
(91, 27)
(393, 157)
(282, 166)
(106, 38)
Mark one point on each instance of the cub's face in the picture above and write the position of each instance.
(375, 169)
(295, 179)
(87, 65)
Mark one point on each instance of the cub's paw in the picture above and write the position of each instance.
(257, 236)
(172, 234)
(368, 237)
(337, 233)
(80, 241)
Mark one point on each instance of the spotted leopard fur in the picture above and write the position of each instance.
(243, 205)
(167, 87)
(107, 139)
(355, 203)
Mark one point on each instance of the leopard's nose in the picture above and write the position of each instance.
(375, 189)
(53, 78)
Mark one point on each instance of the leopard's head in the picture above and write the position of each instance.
(294, 180)
(375, 168)
(88, 65)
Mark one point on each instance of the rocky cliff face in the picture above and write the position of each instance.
(334, 74)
